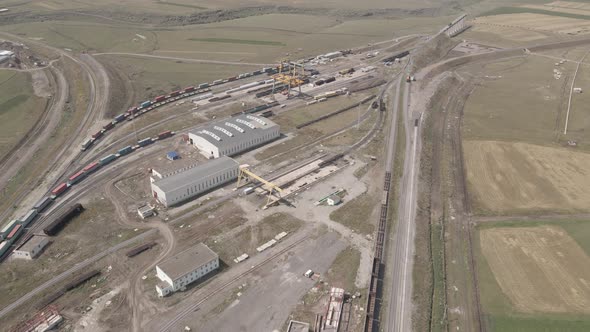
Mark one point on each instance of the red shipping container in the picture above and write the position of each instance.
(91, 167)
(60, 189)
(189, 89)
(13, 232)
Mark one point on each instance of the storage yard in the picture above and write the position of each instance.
(294, 168)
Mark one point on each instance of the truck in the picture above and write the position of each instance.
(126, 150)
(59, 189)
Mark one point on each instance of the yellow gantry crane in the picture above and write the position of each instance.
(273, 189)
(291, 74)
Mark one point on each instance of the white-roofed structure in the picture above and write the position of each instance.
(193, 181)
(232, 136)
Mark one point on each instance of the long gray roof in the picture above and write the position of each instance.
(187, 261)
(181, 179)
(251, 125)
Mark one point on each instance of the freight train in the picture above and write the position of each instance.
(13, 230)
(150, 105)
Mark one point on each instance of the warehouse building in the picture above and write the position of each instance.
(185, 268)
(192, 181)
(31, 248)
(234, 135)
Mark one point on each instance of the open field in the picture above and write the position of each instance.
(539, 22)
(538, 290)
(353, 214)
(493, 112)
(519, 177)
(19, 108)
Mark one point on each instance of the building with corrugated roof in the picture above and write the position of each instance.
(232, 136)
(184, 268)
(31, 248)
(191, 181)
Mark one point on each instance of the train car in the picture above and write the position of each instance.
(120, 117)
(8, 228)
(203, 96)
(175, 93)
(346, 71)
(91, 167)
(108, 159)
(15, 232)
(188, 89)
(319, 82)
(160, 99)
(59, 189)
(126, 150)
(108, 126)
(330, 79)
(81, 278)
(145, 141)
(231, 79)
(86, 144)
(266, 114)
(164, 134)
(97, 135)
(61, 220)
(42, 204)
(203, 85)
(214, 99)
(146, 104)
(72, 180)
(4, 245)
(27, 218)
(133, 110)
(139, 249)
(257, 72)
(216, 82)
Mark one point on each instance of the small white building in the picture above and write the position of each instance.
(191, 182)
(185, 268)
(145, 211)
(234, 135)
(333, 200)
(31, 248)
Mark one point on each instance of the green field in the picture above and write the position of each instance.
(518, 100)
(238, 41)
(19, 108)
(499, 313)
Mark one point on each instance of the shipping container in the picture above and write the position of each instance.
(108, 126)
(188, 89)
(231, 79)
(107, 159)
(164, 134)
(159, 99)
(97, 134)
(15, 232)
(257, 72)
(217, 82)
(6, 229)
(203, 85)
(319, 82)
(146, 103)
(42, 203)
(60, 189)
(125, 150)
(27, 218)
(4, 245)
(145, 141)
(134, 110)
(174, 93)
(86, 144)
(91, 167)
(76, 177)
(120, 117)
(57, 224)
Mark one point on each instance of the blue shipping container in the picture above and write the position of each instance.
(125, 150)
(107, 159)
(145, 141)
(146, 103)
(120, 117)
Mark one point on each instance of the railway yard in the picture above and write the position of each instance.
(267, 179)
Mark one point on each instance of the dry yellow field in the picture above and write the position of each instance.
(540, 269)
(519, 177)
(581, 6)
(507, 32)
(537, 22)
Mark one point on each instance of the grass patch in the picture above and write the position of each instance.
(521, 10)
(355, 213)
(185, 5)
(239, 41)
(343, 271)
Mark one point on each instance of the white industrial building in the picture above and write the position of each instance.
(31, 248)
(185, 268)
(192, 181)
(234, 135)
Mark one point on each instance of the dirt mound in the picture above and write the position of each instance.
(432, 51)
